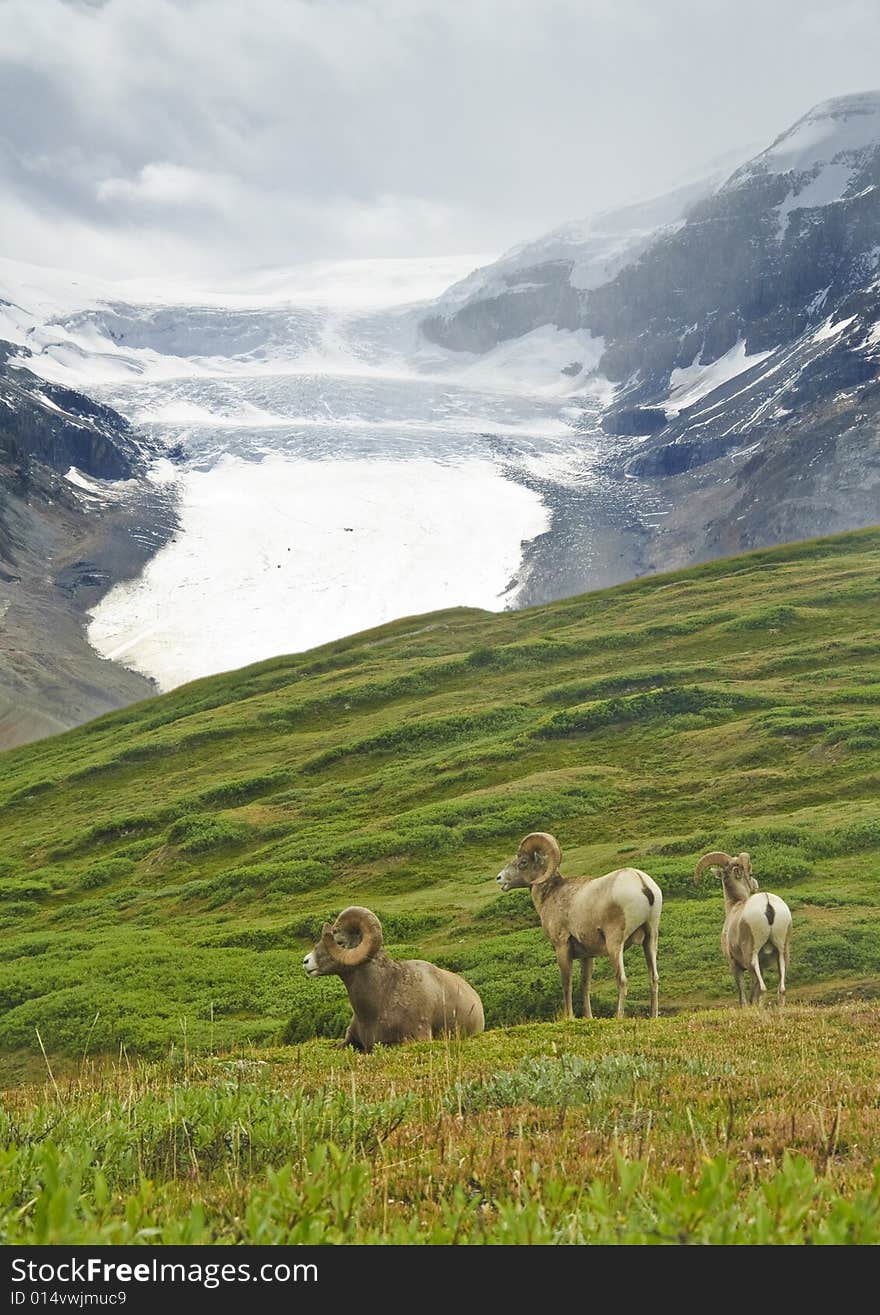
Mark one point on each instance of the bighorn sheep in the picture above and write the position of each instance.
(756, 926)
(393, 1001)
(585, 916)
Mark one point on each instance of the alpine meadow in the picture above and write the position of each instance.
(173, 1076)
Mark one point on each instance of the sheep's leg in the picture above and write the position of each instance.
(615, 954)
(739, 976)
(563, 958)
(783, 967)
(352, 1036)
(759, 989)
(649, 947)
(586, 978)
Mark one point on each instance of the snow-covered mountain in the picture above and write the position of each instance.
(790, 231)
(311, 451)
(766, 257)
(741, 338)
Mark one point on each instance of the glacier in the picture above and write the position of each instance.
(332, 469)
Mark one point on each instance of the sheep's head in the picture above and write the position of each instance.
(537, 858)
(736, 873)
(351, 940)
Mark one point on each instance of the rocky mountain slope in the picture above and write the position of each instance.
(741, 340)
(69, 529)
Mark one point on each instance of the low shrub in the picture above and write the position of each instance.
(109, 869)
(197, 833)
(650, 706)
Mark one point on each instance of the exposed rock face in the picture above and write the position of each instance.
(819, 475)
(536, 295)
(44, 422)
(63, 543)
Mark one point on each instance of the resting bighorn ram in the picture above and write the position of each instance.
(757, 926)
(393, 1000)
(584, 916)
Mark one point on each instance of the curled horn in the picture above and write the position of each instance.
(355, 919)
(745, 862)
(717, 859)
(543, 842)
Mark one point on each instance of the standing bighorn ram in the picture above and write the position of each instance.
(393, 1000)
(757, 926)
(584, 916)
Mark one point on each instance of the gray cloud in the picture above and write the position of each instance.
(196, 135)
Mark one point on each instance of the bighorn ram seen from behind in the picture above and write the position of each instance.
(393, 1000)
(584, 917)
(757, 926)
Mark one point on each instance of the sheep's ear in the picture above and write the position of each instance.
(327, 929)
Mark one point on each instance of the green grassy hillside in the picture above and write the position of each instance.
(163, 869)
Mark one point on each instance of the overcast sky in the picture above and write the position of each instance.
(196, 136)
